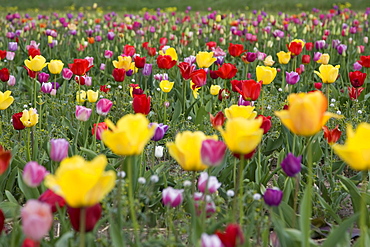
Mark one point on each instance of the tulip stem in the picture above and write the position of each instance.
(306, 227)
(35, 94)
(28, 144)
(364, 213)
(241, 180)
(76, 140)
(184, 96)
(82, 226)
(132, 200)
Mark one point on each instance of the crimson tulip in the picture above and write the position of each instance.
(186, 70)
(93, 215)
(165, 62)
(295, 48)
(119, 74)
(139, 62)
(54, 200)
(266, 123)
(232, 236)
(354, 93)
(16, 121)
(2, 54)
(357, 78)
(33, 52)
(80, 66)
(236, 50)
(364, 61)
(306, 59)
(141, 104)
(218, 120)
(4, 75)
(129, 50)
(250, 89)
(227, 71)
(5, 157)
(199, 78)
(333, 135)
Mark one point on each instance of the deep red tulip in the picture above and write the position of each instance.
(306, 59)
(31, 74)
(236, 84)
(141, 104)
(30, 243)
(119, 74)
(104, 88)
(309, 46)
(33, 52)
(165, 62)
(250, 89)
(236, 50)
(16, 121)
(211, 44)
(318, 85)
(199, 78)
(129, 50)
(2, 54)
(266, 123)
(52, 199)
(152, 51)
(135, 89)
(295, 48)
(93, 214)
(227, 71)
(354, 93)
(4, 75)
(5, 157)
(218, 120)
(80, 66)
(186, 70)
(331, 136)
(364, 61)
(246, 156)
(139, 62)
(357, 78)
(2, 221)
(212, 74)
(232, 236)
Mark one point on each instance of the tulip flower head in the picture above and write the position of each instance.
(265, 74)
(291, 165)
(5, 157)
(82, 113)
(209, 183)
(33, 174)
(232, 236)
(55, 66)
(93, 214)
(212, 152)
(5, 99)
(55, 201)
(236, 111)
(214, 89)
(103, 107)
(273, 197)
(166, 86)
(333, 135)
(160, 131)
(172, 197)
(210, 240)
(218, 120)
(284, 57)
(29, 117)
(36, 64)
(328, 73)
(205, 59)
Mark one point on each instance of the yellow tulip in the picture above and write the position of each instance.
(242, 135)
(324, 59)
(166, 85)
(123, 63)
(130, 135)
(81, 96)
(194, 90)
(268, 61)
(214, 89)
(5, 99)
(284, 57)
(356, 149)
(92, 96)
(306, 114)
(82, 183)
(265, 74)
(235, 111)
(55, 66)
(171, 52)
(29, 117)
(186, 150)
(328, 73)
(205, 59)
(36, 64)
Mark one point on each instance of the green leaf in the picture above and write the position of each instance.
(10, 209)
(306, 212)
(10, 197)
(89, 153)
(329, 209)
(339, 233)
(115, 233)
(29, 193)
(64, 239)
(353, 191)
(201, 113)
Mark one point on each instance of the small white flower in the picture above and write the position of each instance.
(121, 174)
(230, 193)
(359, 112)
(133, 80)
(25, 106)
(158, 89)
(268, 107)
(331, 105)
(190, 118)
(257, 197)
(280, 89)
(119, 87)
(339, 112)
(141, 180)
(187, 183)
(333, 100)
(30, 104)
(109, 86)
(101, 96)
(159, 151)
(154, 178)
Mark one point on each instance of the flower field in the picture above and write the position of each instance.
(185, 128)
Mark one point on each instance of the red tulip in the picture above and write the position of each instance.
(80, 66)
(199, 78)
(227, 71)
(364, 61)
(232, 236)
(186, 70)
(151, 51)
(4, 75)
(129, 50)
(141, 104)
(93, 214)
(306, 59)
(30, 243)
(31, 74)
(163, 41)
(119, 74)
(104, 88)
(357, 78)
(236, 50)
(354, 93)
(218, 120)
(331, 136)
(309, 46)
(247, 156)
(5, 157)
(266, 123)
(250, 89)
(16, 121)
(295, 48)
(165, 62)
(211, 44)
(140, 62)
(236, 84)
(99, 130)
(2, 54)
(33, 52)
(54, 200)
(318, 85)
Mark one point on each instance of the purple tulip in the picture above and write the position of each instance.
(46, 87)
(43, 77)
(147, 70)
(67, 74)
(273, 197)
(341, 48)
(357, 66)
(210, 240)
(292, 77)
(212, 152)
(58, 149)
(335, 43)
(12, 46)
(241, 101)
(316, 56)
(291, 165)
(251, 57)
(172, 197)
(160, 131)
(320, 44)
(33, 174)
(103, 107)
(82, 113)
(212, 186)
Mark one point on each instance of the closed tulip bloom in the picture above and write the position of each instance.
(364, 61)
(236, 50)
(284, 57)
(58, 149)
(186, 69)
(273, 197)
(210, 240)
(357, 78)
(81, 96)
(265, 74)
(249, 89)
(328, 73)
(5, 100)
(209, 183)
(166, 86)
(91, 183)
(205, 59)
(36, 64)
(55, 201)
(158, 152)
(130, 135)
(103, 107)
(172, 197)
(186, 150)
(93, 214)
(306, 59)
(55, 66)
(141, 104)
(236, 111)
(214, 89)
(147, 70)
(212, 152)
(232, 236)
(324, 59)
(296, 47)
(29, 117)
(37, 219)
(46, 87)
(82, 113)
(92, 96)
(306, 114)
(140, 62)
(16, 121)
(356, 149)
(4, 74)
(198, 78)
(292, 77)
(242, 135)
(268, 61)
(226, 71)
(67, 74)
(5, 157)
(43, 77)
(33, 174)
(165, 62)
(160, 131)
(266, 123)
(291, 165)
(119, 74)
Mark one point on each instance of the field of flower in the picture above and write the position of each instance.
(183, 128)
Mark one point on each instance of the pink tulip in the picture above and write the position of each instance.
(33, 174)
(82, 113)
(172, 197)
(67, 74)
(103, 107)
(213, 183)
(212, 152)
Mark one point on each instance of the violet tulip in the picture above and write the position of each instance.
(212, 152)
(58, 149)
(103, 107)
(33, 174)
(160, 131)
(43, 77)
(147, 70)
(211, 186)
(273, 197)
(172, 197)
(291, 165)
(82, 113)
(292, 77)
(46, 87)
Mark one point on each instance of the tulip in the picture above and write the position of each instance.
(92, 96)
(130, 135)
(92, 185)
(218, 120)
(210, 184)
(227, 71)
(212, 152)
(5, 100)
(11, 82)
(36, 64)
(232, 236)
(67, 74)
(82, 113)
(80, 66)
(93, 214)
(119, 74)
(108, 54)
(103, 107)
(266, 123)
(205, 59)
(5, 157)
(12, 46)
(306, 113)
(46, 87)
(250, 57)
(324, 59)
(357, 78)
(284, 57)
(268, 61)
(186, 150)
(81, 96)
(354, 93)
(29, 117)
(16, 121)
(172, 53)
(341, 49)
(236, 111)
(33, 174)
(158, 152)
(273, 197)
(306, 59)
(129, 50)
(27, 242)
(249, 89)
(210, 240)
(199, 199)
(291, 165)
(55, 201)
(43, 77)
(223, 94)
(4, 75)
(160, 131)
(236, 50)
(172, 197)
(140, 62)
(166, 86)
(318, 85)
(328, 73)
(331, 136)
(265, 74)
(98, 129)
(214, 89)
(165, 62)
(55, 66)
(296, 47)
(292, 77)
(242, 135)
(320, 44)
(364, 61)
(141, 104)
(186, 70)
(147, 70)
(198, 78)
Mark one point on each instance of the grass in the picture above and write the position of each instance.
(235, 5)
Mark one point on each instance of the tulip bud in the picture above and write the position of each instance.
(11, 82)
(273, 197)
(33, 174)
(92, 96)
(318, 85)
(46, 87)
(103, 107)
(291, 165)
(93, 215)
(43, 77)
(210, 240)
(67, 74)
(217, 120)
(158, 151)
(54, 200)
(212, 152)
(82, 113)
(211, 186)
(58, 149)
(108, 54)
(172, 197)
